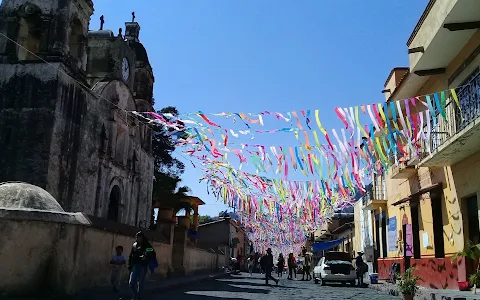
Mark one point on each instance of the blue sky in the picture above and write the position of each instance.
(276, 55)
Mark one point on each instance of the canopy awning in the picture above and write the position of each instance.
(321, 246)
(415, 196)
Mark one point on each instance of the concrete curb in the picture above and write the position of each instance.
(426, 294)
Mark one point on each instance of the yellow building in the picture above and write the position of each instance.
(432, 207)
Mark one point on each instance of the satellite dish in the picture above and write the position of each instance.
(29, 9)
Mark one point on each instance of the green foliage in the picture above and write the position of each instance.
(472, 252)
(167, 169)
(204, 219)
(474, 279)
(407, 285)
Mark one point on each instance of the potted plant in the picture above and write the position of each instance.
(474, 280)
(407, 285)
(473, 253)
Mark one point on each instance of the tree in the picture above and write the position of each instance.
(167, 169)
(204, 219)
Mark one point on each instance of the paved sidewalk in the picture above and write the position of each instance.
(428, 294)
(151, 286)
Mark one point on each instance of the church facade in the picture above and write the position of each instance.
(64, 96)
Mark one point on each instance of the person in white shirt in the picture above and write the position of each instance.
(117, 262)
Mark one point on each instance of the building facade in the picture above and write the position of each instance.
(64, 93)
(433, 200)
(363, 220)
(225, 235)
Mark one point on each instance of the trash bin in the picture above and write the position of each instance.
(374, 278)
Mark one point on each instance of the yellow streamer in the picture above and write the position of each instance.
(319, 124)
(379, 148)
(455, 97)
(380, 110)
(317, 141)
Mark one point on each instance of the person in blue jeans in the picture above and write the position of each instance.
(138, 262)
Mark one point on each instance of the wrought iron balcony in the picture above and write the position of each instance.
(374, 197)
(445, 144)
(406, 166)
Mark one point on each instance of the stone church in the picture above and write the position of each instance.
(64, 96)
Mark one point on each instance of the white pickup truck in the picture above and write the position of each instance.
(335, 267)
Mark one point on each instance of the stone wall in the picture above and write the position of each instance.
(64, 253)
(57, 135)
(61, 252)
(196, 260)
(70, 138)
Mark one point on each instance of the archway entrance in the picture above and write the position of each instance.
(114, 204)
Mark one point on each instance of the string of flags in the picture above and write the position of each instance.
(337, 164)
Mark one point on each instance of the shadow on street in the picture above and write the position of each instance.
(233, 287)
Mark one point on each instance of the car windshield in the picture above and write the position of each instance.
(337, 256)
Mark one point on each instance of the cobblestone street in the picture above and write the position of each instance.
(246, 287)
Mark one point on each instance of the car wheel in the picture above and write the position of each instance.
(322, 282)
(316, 281)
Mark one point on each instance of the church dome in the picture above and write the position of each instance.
(20, 195)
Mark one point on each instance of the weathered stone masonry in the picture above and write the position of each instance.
(63, 124)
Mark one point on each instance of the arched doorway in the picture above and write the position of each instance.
(114, 204)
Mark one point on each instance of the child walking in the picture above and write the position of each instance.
(117, 262)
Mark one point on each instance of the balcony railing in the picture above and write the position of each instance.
(469, 100)
(374, 193)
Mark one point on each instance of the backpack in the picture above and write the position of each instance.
(152, 259)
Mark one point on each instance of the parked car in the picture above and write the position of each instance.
(335, 267)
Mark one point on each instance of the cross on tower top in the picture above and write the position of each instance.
(132, 29)
(102, 21)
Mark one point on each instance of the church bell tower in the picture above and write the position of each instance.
(49, 30)
(144, 79)
(132, 30)
(42, 90)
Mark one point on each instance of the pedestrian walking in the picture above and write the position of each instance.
(361, 268)
(251, 264)
(292, 266)
(141, 257)
(239, 263)
(262, 262)
(116, 263)
(280, 265)
(268, 263)
(306, 267)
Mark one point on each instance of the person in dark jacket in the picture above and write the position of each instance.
(280, 265)
(268, 262)
(361, 268)
(263, 259)
(292, 266)
(140, 256)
